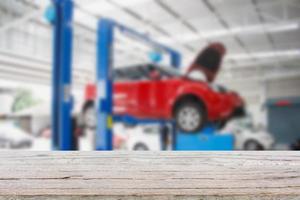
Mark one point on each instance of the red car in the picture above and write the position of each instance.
(155, 92)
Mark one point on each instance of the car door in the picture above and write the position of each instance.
(154, 92)
(130, 92)
(156, 98)
(145, 98)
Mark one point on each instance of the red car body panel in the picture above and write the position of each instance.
(156, 99)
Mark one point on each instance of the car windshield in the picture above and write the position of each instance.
(133, 73)
(169, 71)
(142, 72)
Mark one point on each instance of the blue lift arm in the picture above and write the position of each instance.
(175, 56)
(106, 27)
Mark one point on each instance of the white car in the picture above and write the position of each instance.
(250, 137)
(143, 138)
(12, 137)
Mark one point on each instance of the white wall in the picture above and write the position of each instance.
(6, 103)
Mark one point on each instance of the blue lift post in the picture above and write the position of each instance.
(104, 102)
(62, 135)
(106, 27)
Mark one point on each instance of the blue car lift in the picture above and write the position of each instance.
(62, 137)
(205, 140)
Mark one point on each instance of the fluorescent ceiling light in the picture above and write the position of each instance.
(263, 55)
(254, 29)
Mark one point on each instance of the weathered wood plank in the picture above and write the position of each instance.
(150, 175)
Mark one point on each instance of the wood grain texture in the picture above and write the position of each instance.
(149, 175)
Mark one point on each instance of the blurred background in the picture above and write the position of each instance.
(262, 39)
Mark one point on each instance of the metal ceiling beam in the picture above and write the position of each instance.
(147, 22)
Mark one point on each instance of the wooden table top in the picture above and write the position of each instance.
(149, 175)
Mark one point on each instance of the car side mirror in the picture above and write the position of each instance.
(155, 75)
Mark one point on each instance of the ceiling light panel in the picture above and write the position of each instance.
(264, 55)
(244, 31)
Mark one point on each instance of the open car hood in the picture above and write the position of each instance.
(209, 61)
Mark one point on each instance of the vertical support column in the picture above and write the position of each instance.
(105, 35)
(62, 73)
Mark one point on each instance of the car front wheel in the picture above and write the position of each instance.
(190, 117)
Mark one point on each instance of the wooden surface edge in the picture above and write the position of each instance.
(149, 175)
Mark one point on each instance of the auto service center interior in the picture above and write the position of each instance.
(150, 75)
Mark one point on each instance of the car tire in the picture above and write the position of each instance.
(89, 116)
(253, 146)
(140, 147)
(190, 117)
